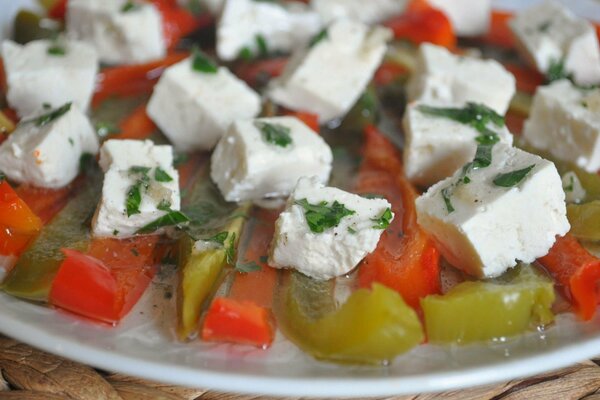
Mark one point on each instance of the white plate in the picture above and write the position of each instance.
(143, 346)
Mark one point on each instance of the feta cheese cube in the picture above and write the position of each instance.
(441, 76)
(45, 151)
(35, 77)
(336, 250)
(251, 162)
(327, 78)
(565, 121)
(549, 33)
(244, 23)
(121, 159)
(468, 18)
(369, 12)
(121, 34)
(435, 147)
(194, 108)
(492, 226)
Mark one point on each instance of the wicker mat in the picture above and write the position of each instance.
(27, 373)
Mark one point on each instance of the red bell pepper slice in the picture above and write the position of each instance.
(405, 258)
(311, 120)
(422, 23)
(577, 272)
(58, 10)
(107, 282)
(178, 22)
(18, 224)
(527, 79)
(229, 320)
(388, 72)
(499, 33)
(137, 125)
(252, 70)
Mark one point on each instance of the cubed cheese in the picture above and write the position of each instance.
(120, 160)
(548, 33)
(441, 76)
(265, 157)
(36, 77)
(46, 154)
(468, 17)
(336, 250)
(120, 32)
(435, 147)
(492, 226)
(279, 27)
(194, 108)
(327, 78)
(565, 121)
(369, 12)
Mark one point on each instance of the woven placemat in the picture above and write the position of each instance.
(31, 374)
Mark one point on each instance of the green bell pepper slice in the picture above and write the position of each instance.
(585, 220)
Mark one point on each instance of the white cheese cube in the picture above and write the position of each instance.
(121, 34)
(369, 12)
(435, 147)
(117, 157)
(336, 250)
(565, 121)
(327, 78)
(549, 33)
(441, 76)
(35, 77)
(468, 17)
(282, 27)
(194, 108)
(248, 164)
(492, 226)
(46, 154)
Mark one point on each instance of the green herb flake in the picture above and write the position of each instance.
(230, 249)
(512, 178)
(261, 43)
(557, 71)
(56, 50)
(384, 220)
(264, 259)
(115, 232)
(318, 37)
(134, 199)
(246, 267)
(543, 27)
(2, 176)
(446, 194)
(476, 115)
(202, 63)
(321, 216)
(45, 119)
(129, 6)
(171, 218)
(104, 129)
(180, 159)
(219, 238)
(160, 175)
(570, 186)
(137, 169)
(351, 230)
(164, 205)
(246, 54)
(85, 161)
(483, 157)
(275, 134)
(135, 252)
(71, 142)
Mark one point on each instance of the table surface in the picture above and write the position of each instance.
(28, 373)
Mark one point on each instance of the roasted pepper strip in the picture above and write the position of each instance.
(577, 272)
(371, 327)
(405, 258)
(486, 310)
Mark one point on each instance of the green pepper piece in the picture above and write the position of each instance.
(32, 276)
(364, 112)
(585, 220)
(371, 327)
(29, 26)
(485, 310)
(6, 125)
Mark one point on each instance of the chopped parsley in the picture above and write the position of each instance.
(571, 185)
(557, 71)
(129, 6)
(246, 267)
(261, 43)
(137, 169)
(219, 238)
(134, 199)
(202, 63)
(171, 218)
(476, 115)
(115, 232)
(318, 37)
(264, 259)
(351, 230)
(384, 220)
(160, 175)
(104, 129)
(446, 194)
(321, 216)
(543, 27)
(71, 142)
(230, 249)
(45, 119)
(246, 54)
(85, 161)
(275, 134)
(57, 49)
(164, 205)
(513, 178)
(179, 159)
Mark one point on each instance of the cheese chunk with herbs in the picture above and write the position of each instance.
(369, 12)
(486, 219)
(441, 76)
(328, 77)
(436, 146)
(194, 107)
(140, 186)
(265, 157)
(122, 31)
(554, 41)
(49, 72)
(251, 28)
(565, 121)
(44, 150)
(325, 232)
(468, 17)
